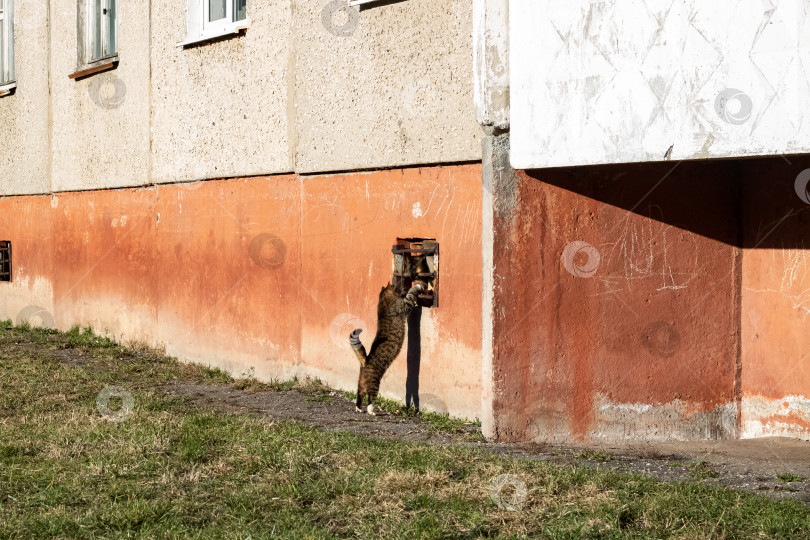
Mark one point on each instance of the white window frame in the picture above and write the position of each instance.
(200, 29)
(105, 24)
(7, 74)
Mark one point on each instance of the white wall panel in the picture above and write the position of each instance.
(623, 80)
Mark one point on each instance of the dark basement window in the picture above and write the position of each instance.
(5, 260)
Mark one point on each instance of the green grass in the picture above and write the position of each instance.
(789, 477)
(175, 470)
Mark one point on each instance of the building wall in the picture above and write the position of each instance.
(292, 94)
(397, 91)
(616, 303)
(24, 116)
(99, 126)
(221, 109)
(775, 304)
(261, 275)
(146, 251)
(600, 82)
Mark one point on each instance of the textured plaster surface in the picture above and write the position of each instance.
(775, 314)
(491, 63)
(497, 202)
(397, 91)
(24, 115)
(100, 124)
(297, 92)
(220, 109)
(625, 81)
(23, 221)
(788, 416)
(615, 312)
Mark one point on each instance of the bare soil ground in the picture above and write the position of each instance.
(749, 465)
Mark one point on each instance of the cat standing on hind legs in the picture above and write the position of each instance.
(392, 313)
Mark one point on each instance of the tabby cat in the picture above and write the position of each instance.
(392, 312)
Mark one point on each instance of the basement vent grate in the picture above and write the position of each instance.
(5, 260)
(409, 265)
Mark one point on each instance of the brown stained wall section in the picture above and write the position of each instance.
(631, 333)
(250, 274)
(104, 261)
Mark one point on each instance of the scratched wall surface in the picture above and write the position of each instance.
(615, 304)
(775, 318)
(626, 80)
(264, 276)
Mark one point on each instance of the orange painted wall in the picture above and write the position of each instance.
(261, 275)
(616, 294)
(691, 321)
(775, 314)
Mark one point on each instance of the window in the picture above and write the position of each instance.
(102, 36)
(214, 18)
(97, 47)
(6, 42)
(5, 260)
(218, 15)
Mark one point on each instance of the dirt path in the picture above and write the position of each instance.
(750, 465)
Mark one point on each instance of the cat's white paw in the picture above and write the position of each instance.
(371, 410)
(357, 409)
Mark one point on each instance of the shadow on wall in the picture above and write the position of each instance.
(768, 196)
(414, 357)
(627, 294)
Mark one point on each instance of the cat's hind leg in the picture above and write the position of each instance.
(370, 408)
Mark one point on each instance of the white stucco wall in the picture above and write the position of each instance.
(387, 86)
(625, 80)
(24, 114)
(394, 88)
(220, 109)
(100, 124)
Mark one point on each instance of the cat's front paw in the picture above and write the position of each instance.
(420, 285)
(357, 409)
(371, 410)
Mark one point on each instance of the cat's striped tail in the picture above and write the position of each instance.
(357, 346)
